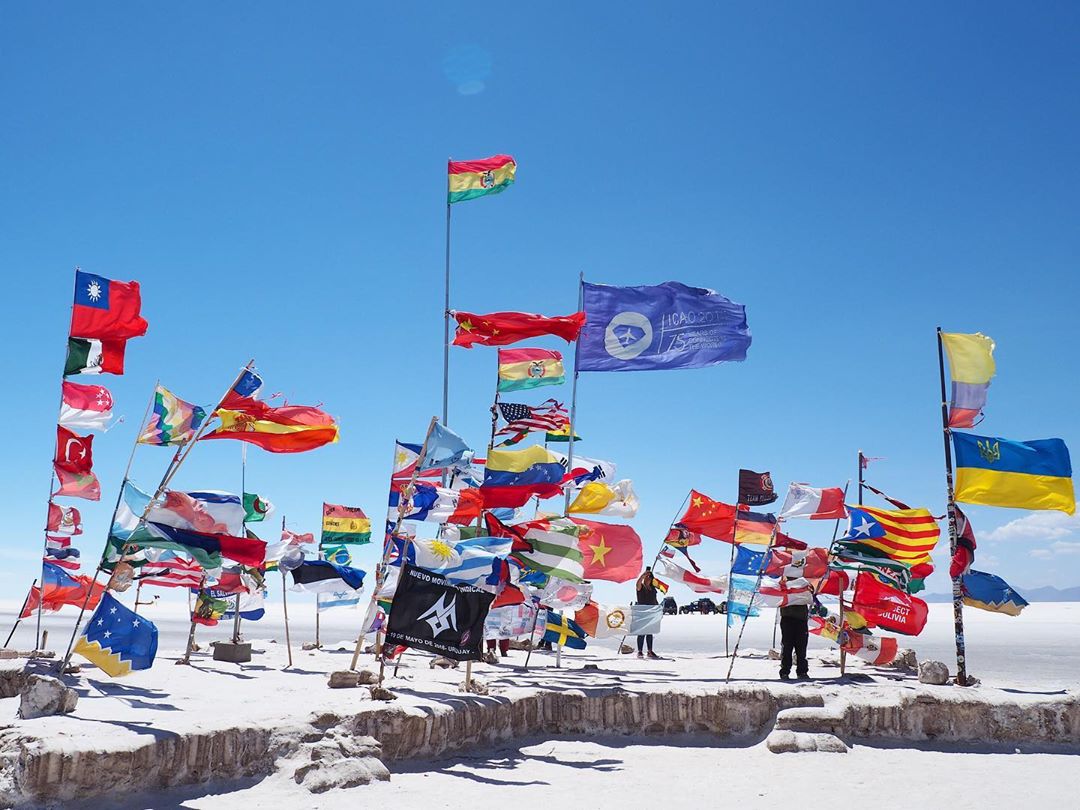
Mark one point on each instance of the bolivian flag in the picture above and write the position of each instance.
(1024, 475)
(522, 369)
(469, 179)
(344, 524)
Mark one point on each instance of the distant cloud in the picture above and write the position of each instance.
(467, 67)
(1036, 526)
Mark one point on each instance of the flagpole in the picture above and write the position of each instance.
(191, 632)
(285, 601)
(573, 400)
(243, 531)
(178, 459)
(750, 604)
(957, 593)
(446, 322)
(18, 618)
(840, 585)
(731, 567)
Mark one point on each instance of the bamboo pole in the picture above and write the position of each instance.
(18, 618)
(957, 592)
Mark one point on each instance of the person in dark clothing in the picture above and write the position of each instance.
(504, 646)
(646, 595)
(794, 634)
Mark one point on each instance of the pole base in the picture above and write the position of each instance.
(239, 653)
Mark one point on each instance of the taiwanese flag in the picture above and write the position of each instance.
(106, 309)
(503, 328)
(610, 552)
(74, 453)
(708, 517)
(887, 607)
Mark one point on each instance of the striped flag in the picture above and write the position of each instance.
(906, 536)
(783, 592)
(521, 419)
(555, 549)
(698, 583)
(172, 572)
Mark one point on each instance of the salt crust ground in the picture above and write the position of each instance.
(208, 695)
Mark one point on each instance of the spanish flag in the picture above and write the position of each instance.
(1023, 475)
(288, 429)
(469, 179)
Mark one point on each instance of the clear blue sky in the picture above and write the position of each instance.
(274, 176)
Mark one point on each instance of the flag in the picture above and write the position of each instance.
(320, 576)
(554, 549)
(209, 610)
(609, 551)
(171, 571)
(344, 524)
(562, 595)
(59, 588)
(208, 548)
(597, 498)
(749, 560)
(645, 620)
(665, 326)
(201, 510)
(810, 563)
(444, 449)
(476, 561)
(522, 369)
(989, 592)
(678, 537)
(256, 508)
(754, 527)
(64, 520)
(509, 621)
(884, 606)
(904, 535)
(561, 435)
(77, 485)
(244, 391)
(781, 540)
(118, 640)
(971, 366)
(85, 406)
(341, 598)
(783, 592)
(698, 583)
(741, 602)
(287, 429)
(878, 651)
(708, 517)
(582, 469)
(563, 631)
(504, 328)
(756, 489)
(172, 421)
(880, 494)
(811, 502)
(338, 555)
(548, 416)
(74, 453)
(92, 356)
(965, 545)
(428, 613)
(437, 504)
(106, 309)
(1024, 475)
(469, 179)
(604, 621)
(64, 557)
(511, 477)
(252, 606)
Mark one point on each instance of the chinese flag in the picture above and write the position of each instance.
(609, 551)
(106, 309)
(708, 517)
(74, 453)
(503, 328)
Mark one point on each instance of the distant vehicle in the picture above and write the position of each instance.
(706, 606)
(691, 608)
(670, 608)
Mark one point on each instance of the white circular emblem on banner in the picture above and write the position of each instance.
(628, 335)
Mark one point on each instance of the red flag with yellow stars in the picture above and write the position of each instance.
(503, 328)
(708, 517)
(609, 551)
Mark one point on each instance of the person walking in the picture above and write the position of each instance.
(646, 595)
(794, 634)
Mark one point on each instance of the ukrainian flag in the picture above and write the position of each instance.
(1024, 475)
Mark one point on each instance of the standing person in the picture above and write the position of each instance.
(504, 647)
(794, 634)
(646, 595)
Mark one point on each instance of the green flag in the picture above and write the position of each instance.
(255, 508)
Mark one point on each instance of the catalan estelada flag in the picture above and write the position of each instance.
(469, 179)
(904, 535)
(344, 524)
(1024, 475)
(522, 369)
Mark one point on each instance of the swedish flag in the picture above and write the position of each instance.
(117, 639)
(1024, 475)
(564, 631)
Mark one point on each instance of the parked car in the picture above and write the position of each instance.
(691, 608)
(670, 608)
(706, 606)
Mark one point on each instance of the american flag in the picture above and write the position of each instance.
(547, 416)
(175, 572)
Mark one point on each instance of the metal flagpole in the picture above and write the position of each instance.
(957, 593)
(18, 618)
(731, 566)
(750, 604)
(446, 321)
(573, 399)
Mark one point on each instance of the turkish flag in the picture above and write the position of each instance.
(609, 551)
(887, 607)
(708, 517)
(74, 453)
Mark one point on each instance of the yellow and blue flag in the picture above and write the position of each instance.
(992, 471)
(564, 631)
(990, 592)
(118, 640)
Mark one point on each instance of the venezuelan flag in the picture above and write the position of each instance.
(469, 179)
(516, 468)
(522, 369)
(1024, 475)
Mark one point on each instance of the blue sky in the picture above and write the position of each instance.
(274, 177)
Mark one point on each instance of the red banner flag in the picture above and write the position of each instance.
(887, 607)
(611, 552)
(708, 517)
(503, 328)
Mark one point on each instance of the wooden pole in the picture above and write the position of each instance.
(446, 327)
(843, 652)
(18, 618)
(957, 592)
(285, 604)
(191, 633)
(731, 566)
(532, 634)
(750, 605)
(243, 531)
(558, 655)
